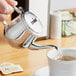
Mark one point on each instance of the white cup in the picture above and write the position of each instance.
(59, 67)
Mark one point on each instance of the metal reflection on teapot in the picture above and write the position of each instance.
(24, 30)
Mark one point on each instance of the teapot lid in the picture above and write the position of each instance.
(33, 23)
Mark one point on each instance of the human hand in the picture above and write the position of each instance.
(6, 8)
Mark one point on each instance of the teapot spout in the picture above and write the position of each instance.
(36, 46)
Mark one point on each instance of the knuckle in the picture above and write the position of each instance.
(8, 10)
(5, 11)
(2, 18)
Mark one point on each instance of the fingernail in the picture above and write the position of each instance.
(15, 3)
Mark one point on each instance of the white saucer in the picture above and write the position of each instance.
(42, 72)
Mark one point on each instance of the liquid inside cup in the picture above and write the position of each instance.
(66, 58)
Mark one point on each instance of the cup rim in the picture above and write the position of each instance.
(60, 60)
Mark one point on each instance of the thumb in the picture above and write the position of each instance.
(12, 2)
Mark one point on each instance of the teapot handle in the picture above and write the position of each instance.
(17, 10)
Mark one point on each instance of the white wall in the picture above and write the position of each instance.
(62, 4)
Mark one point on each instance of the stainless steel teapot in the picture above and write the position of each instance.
(24, 30)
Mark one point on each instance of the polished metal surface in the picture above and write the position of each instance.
(24, 30)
